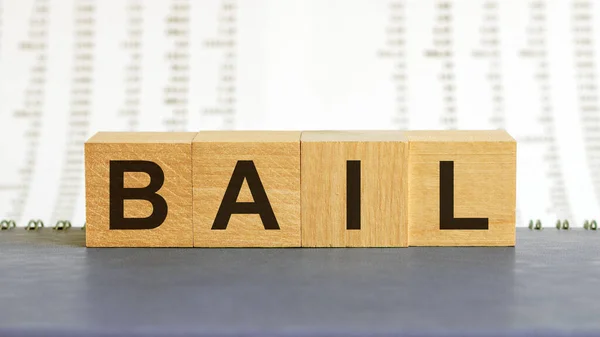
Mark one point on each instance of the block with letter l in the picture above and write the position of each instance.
(462, 188)
(139, 189)
(354, 189)
(246, 189)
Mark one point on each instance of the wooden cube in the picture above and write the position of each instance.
(461, 188)
(354, 189)
(246, 189)
(139, 189)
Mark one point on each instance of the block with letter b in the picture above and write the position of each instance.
(139, 189)
(354, 189)
(462, 188)
(247, 189)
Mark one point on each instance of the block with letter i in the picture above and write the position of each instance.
(246, 189)
(354, 189)
(462, 188)
(139, 189)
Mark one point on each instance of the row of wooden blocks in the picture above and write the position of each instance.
(300, 189)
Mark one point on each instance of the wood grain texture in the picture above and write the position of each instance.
(172, 152)
(276, 157)
(484, 186)
(383, 188)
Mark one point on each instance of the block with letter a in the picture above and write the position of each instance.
(462, 188)
(139, 189)
(246, 189)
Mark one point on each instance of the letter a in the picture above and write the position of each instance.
(245, 169)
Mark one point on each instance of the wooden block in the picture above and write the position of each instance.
(354, 189)
(246, 189)
(462, 187)
(139, 189)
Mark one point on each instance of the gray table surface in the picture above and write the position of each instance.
(50, 285)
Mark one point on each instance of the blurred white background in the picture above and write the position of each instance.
(70, 68)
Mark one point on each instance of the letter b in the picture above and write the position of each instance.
(138, 189)
(118, 194)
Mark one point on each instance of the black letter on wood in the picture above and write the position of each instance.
(245, 169)
(118, 194)
(353, 194)
(447, 220)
